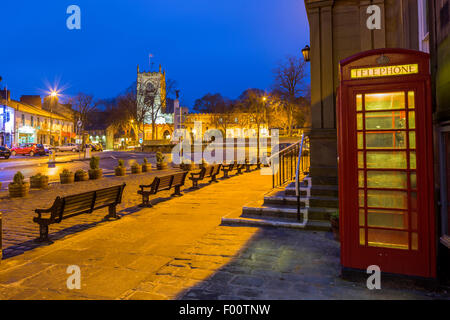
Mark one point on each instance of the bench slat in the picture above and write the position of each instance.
(107, 194)
(179, 179)
(164, 182)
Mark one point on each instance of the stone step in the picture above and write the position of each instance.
(277, 223)
(326, 202)
(327, 191)
(287, 212)
(322, 214)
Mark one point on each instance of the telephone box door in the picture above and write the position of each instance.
(385, 192)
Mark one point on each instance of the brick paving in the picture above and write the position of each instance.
(179, 250)
(19, 230)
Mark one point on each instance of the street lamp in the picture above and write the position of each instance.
(53, 96)
(305, 51)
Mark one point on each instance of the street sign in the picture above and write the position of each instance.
(141, 140)
(79, 123)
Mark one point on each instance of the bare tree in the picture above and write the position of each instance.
(83, 105)
(254, 102)
(126, 114)
(290, 85)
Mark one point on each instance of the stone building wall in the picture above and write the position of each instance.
(338, 29)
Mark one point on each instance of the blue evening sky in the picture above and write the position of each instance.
(223, 46)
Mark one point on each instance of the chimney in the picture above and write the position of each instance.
(33, 100)
(5, 94)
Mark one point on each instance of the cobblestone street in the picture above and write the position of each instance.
(179, 250)
(19, 230)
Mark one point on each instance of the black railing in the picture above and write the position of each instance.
(303, 163)
(286, 162)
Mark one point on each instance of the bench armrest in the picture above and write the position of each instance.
(145, 186)
(196, 173)
(39, 212)
(142, 186)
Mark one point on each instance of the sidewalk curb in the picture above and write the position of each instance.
(226, 220)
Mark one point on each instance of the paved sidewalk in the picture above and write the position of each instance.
(115, 257)
(19, 230)
(179, 250)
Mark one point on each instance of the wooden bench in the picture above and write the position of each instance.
(226, 168)
(200, 175)
(249, 167)
(214, 172)
(167, 182)
(74, 205)
(240, 167)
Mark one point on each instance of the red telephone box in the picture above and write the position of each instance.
(386, 200)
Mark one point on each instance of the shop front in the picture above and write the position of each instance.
(385, 147)
(26, 134)
(67, 137)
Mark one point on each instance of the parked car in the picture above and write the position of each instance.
(5, 152)
(98, 147)
(29, 149)
(47, 148)
(68, 147)
(94, 147)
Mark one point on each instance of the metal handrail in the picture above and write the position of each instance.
(285, 161)
(297, 176)
(285, 149)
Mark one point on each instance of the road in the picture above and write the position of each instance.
(30, 166)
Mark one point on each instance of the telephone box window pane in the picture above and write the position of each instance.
(412, 120)
(412, 140)
(387, 219)
(388, 239)
(387, 179)
(361, 179)
(386, 160)
(385, 120)
(387, 199)
(413, 181)
(359, 121)
(361, 160)
(362, 218)
(385, 101)
(360, 141)
(411, 100)
(414, 241)
(362, 237)
(359, 102)
(412, 160)
(362, 197)
(386, 140)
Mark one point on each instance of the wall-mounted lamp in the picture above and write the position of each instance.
(305, 52)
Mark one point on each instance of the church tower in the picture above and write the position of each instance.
(151, 84)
